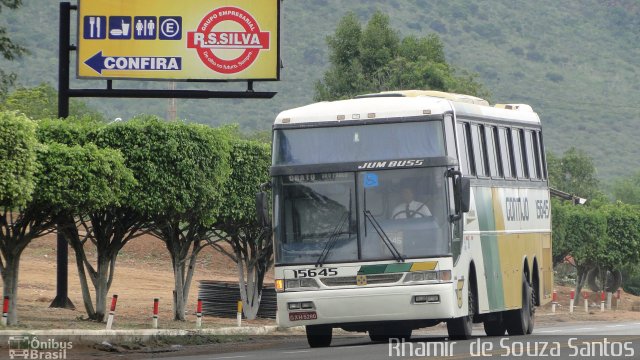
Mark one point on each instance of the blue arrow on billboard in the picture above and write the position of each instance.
(100, 63)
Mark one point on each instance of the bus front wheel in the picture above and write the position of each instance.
(319, 335)
(462, 327)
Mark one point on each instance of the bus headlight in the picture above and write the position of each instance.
(292, 284)
(431, 276)
(300, 284)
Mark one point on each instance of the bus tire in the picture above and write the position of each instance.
(495, 326)
(532, 310)
(384, 333)
(319, 335)
(518, 321)
(462, 327)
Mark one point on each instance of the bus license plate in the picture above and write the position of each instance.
(309, 315)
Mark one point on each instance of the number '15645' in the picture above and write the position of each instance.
(304, 273)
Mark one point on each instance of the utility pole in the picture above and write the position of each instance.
(172, 111)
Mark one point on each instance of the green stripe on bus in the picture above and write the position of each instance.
(372, 269)
(490, 253)
(393, 268)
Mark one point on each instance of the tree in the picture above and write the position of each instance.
(598, 238)
(71, 131)
(574, 173)
(179, 170)
(41, 102)
(628, 190)
(92, 187)
(561, 249)
(20, 222)
(86, 187)
(236, 226)
(587, 239)
(375, 59)
(8, 49)
(623, 230)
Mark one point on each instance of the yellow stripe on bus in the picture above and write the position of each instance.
(425, 265)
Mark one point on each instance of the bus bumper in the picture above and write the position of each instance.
(354, 305)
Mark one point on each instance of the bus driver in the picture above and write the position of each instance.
(409, 208)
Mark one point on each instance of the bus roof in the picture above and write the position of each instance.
(401, 104)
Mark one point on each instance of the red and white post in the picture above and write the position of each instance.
(5, 311)
(199, 314)
(239, 313)
(585, 295)
(112, 311)
(154, 322)
(554, 301)
(602, 300)
(572, 297)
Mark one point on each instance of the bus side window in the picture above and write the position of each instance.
(495, 169)
(543, 156)
(505, 153)
(478, 151)
(523, 147)
(465, 165)
(517, 153)
(449, 128)
(532, 155)
(529, 154)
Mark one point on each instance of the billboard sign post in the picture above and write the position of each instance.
(206, 41)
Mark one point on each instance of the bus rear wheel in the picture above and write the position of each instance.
(319, 335)
(495, 326)
(520, 321)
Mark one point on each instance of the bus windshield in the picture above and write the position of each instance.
(356, 143)
(361, 216)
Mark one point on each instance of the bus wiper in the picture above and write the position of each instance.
(385, 239)
(337, 231)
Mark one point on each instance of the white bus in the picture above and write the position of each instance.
(401, 210)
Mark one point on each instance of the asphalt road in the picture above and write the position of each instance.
(594, 340)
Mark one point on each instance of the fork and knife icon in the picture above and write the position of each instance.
(94, 24)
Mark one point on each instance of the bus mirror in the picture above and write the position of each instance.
(465, 194)
(262, 209)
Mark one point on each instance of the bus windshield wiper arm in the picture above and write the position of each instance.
(337, 231)
(385, 239)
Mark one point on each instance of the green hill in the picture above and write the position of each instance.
(577, 62)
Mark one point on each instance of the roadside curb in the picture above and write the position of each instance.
(79, 336)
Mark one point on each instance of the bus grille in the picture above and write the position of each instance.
(371, 279)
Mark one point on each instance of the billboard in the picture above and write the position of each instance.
(179, 40)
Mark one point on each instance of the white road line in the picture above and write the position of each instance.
(548, 331)
(611, 326)
(296, 352)
(585, 329)
(229, 357)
